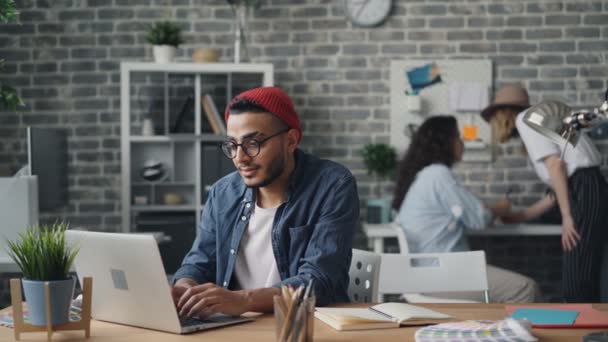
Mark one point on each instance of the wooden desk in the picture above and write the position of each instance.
(263, 329)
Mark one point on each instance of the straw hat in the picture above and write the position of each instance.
(509, 96)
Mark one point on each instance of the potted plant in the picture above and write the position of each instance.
(43, 256)
(381, 160)
(166, 37)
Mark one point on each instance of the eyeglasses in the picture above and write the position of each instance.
(250, 146)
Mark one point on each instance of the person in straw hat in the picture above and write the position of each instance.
(575, 181)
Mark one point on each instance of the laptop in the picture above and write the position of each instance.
(130, 285)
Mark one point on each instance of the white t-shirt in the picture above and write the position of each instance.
(539, 147)
(255, 265)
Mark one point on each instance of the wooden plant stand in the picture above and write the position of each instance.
(21, 327)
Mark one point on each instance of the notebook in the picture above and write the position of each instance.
(545, 316)
(386, 315)
(588, 317)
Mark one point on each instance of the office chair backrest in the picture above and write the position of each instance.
(433, 272)
(403, 247)
(364, 272)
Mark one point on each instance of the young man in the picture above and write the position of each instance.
(285, 218)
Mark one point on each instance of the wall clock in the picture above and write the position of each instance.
(367, 13)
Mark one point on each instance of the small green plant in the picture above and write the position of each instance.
(379, 159)
(165, 33)
(8, 95)
(42, 252)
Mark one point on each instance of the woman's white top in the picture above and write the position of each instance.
(585, 154)
(437, 210)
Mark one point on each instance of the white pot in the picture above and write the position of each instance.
(147, 127)
(164, 53)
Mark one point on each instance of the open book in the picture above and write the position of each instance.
(386, 315)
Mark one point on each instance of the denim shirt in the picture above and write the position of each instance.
(312, 232)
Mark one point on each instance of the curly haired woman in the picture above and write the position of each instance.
(435, 209)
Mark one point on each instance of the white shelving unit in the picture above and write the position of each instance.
(181, 153)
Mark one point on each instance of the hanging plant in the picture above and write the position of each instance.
(8, 94)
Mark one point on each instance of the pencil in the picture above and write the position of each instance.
(288, 318)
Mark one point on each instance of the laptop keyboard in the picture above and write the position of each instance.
(217, 318)
(188, 322)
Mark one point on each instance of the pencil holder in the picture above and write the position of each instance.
(294, 321)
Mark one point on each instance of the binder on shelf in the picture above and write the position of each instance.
(213, 116)
(184, 122)
(213, 167)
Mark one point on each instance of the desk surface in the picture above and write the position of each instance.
(385, 230)
(263, 329)
(8, 265)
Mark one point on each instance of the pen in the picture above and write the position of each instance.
(394, 319)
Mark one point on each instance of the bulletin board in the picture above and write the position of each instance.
(434, 100)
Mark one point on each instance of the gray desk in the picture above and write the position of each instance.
(376, 233)
(8, 266)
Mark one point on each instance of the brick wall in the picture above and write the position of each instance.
(64, 59)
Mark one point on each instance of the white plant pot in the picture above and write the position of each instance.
(147, 128)
(164, 53)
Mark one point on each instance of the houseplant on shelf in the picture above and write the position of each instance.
(43, 256)
(379, 159)
(165, 38)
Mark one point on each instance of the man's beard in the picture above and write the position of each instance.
(275, 169)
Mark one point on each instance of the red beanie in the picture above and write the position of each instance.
(275, 101)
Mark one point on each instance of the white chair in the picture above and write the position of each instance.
(364, 272)
(417, 297)
(403, 247)
(434, 272)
